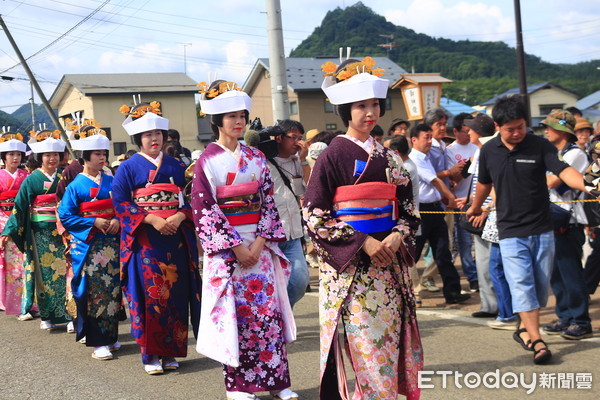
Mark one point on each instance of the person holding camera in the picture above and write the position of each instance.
(246, 319)
(287, 169)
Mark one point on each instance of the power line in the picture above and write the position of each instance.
(61, 36)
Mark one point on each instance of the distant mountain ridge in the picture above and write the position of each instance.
(20, 119)
(480, 70)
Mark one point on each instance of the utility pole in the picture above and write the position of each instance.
(32, 102)
(521, 61)
(281, 109)
(185, 57)
(38, 89)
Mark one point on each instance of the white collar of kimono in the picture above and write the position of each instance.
(95, 179)
(367, 145)
(14, 176)
(51, 177)
(156, 161)
(236, 153)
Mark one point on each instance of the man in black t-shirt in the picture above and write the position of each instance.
(515, 163)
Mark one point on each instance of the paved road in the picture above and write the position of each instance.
(43, 365)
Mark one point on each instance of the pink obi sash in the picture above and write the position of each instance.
(161, 199)
(368, 207)
(97, 209)
(7, 201)
(43, 208)
(240, 203)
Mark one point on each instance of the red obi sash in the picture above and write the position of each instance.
(43, 208)
(240, 203)
(368, 207)
(97, 209)
(7, 201)
(161, 199)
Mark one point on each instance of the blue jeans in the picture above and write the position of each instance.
(505, 310)
(568, 283)
(465, 249)
(299, 275)
(528, 263)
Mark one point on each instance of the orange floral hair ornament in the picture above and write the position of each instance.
(365, 66)
(84, 128)
(139, 108)
(214, 92)
(7, 135)
(45, 134)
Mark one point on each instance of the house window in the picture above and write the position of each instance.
(545, 109)
(331, 127)
(327, 106)
(293, 107)
(108, 133)
(120, 148)
(388, 103)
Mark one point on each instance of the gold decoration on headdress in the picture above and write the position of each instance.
(43, 135)
(214, 92)
(365, 66)
(5, 137)
(139, 110)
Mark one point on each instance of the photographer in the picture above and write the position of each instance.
(288, 170)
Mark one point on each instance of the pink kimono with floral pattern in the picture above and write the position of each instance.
(11, 259)
(246, 319)
(375, 305)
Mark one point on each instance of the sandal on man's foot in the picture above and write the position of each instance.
(519, 339)
(545, 356)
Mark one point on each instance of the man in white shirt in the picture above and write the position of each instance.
(460, 152)
(433, 227)
(288, 173)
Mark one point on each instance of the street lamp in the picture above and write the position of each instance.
(184, 57)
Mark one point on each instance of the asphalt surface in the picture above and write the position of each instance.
(36, 364)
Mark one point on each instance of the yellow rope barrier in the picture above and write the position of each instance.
(464, 212)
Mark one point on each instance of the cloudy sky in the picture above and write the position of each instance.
(110, 36)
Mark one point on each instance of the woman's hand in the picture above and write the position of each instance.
(101, 224)
(257, 246)
(3, 240)
(393, 241)
(113, 227)
(160, 224)
(244, 256)
(381, 255)
(177, 219)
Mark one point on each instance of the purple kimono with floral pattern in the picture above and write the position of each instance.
(375, 304)
(246, 319)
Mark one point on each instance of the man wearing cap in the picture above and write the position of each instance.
(399, 127)
(567, 279)
(583, 131)
(516, 163)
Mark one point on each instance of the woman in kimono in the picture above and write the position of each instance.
(246, 317)
(86, 211)
(32, 226)
(12, 153)
(360, 215)
(159, 261)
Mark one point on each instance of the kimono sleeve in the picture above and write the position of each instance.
(68, 212)
(129, 214)
(408, 218)
(213, 228)
(269, 225)
(336, 242)
(16, 226)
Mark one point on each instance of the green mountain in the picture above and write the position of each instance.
(8, 120)
(480, 70)
(23, 114)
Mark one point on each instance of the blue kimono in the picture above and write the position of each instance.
(159, 273)
(95, 284)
